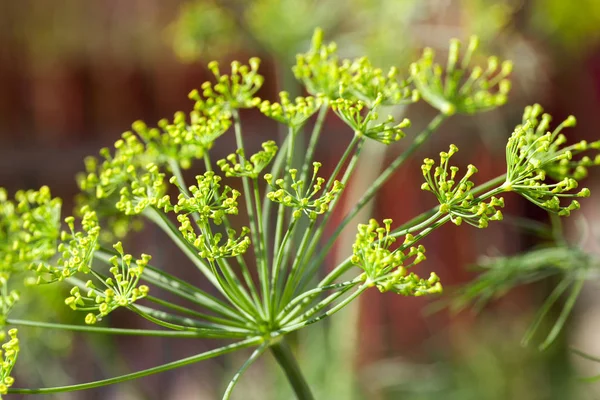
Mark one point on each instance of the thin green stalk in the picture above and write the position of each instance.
(150, 371)
(281, 208)
(174, 165)
(295, 272)
(182, 186)
(217, 322)
(253, 357)
(277, 166)
(160, 322)
(381, 180)
(231, 292)
(178, 287)
(316, 237)
(278, 266)
(302, 301)
(314, 138)
(564, 314)
(186, 322)
(584, 355)
(187, 248)
(427, 227)
(539, 317)
(396, 233)
(263, 243)
(354, 143)
(328, 313)
(283, 354)
(263, 272)
(110, 331)
(240, 259)
(165, 224)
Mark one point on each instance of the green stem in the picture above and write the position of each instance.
(292, 317)
(106, 330)
(286, 177)
(253, 357)
(308, 295)
(314, 138)
(326, 314)
(283, 354)
(380, 181)
(218, 322)
(295, 272)
(564, 314)
(263, 272)
(178, 287)
(277, 166)
(150, 371)
(177, 322)
(278, 267)
(165, 224)
(240, 259)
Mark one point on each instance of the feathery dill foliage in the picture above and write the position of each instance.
(265, 272)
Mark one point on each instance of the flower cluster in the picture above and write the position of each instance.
(294, 114)
(29, 229)
(210, 245)
(319, 68)
(120, 290)
(362, 81)
(230, 92)
(352, 113)
(386, 268)
(533, 154)
(457, 91)
(455, 197)
(236, 164)
(129, 179)
(300, 199)
(10, 351)
(206, 201)
(181, 140)
(145, 189)
(322, 73)
(76, 249)
(116, 171)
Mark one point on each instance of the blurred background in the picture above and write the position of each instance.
(75, 74)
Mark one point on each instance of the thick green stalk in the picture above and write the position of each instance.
(150, 371)
(283, 354)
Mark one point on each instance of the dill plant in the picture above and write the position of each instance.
(265, 273)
